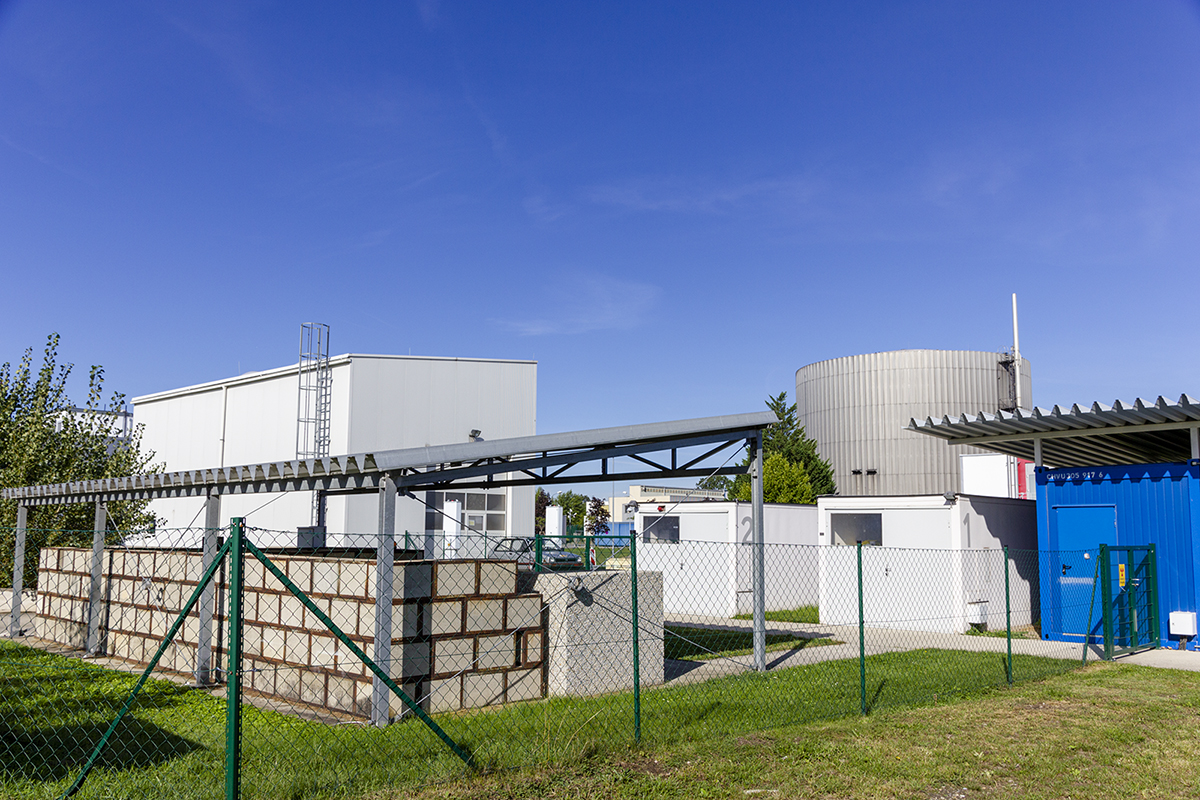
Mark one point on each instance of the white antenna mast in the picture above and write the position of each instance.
(1016, 354)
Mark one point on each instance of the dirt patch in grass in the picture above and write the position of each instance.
(753, 740)
(646, 766)
(950, 793)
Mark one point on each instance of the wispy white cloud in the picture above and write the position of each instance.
(544, 210)
(584, 303)
(696, 197)
(428, 9)
(225, 39)
(41, 158)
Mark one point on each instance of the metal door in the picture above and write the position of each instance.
(1075, 609)
(1129, 586)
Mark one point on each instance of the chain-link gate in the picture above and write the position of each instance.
(1129, 591)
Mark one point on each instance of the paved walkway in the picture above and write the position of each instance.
(887, 640)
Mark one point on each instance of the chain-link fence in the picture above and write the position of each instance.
(314, 672)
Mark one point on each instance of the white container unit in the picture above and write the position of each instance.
(703, 551)
(930, 563)
(379, 402)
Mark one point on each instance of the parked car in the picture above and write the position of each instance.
(522, 551)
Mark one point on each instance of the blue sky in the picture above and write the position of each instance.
(671, 206)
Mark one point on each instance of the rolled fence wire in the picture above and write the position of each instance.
(515, 667)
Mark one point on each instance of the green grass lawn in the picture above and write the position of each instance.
(806, 614)
(1110, 731)
(53, 710)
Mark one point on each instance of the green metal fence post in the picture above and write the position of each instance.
(862, 638)
(1008, 617)
(637, 667)
(537, 551)
(358, 653)
(1087, 633)
(1104, 568)
(1152, 581)
(205, 580)
(233, 688)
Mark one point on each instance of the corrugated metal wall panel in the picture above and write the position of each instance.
(1154, 504)
(857, 408)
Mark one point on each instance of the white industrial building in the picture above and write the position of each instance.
(930, 562)
(375, 403)
(704, 553)
(857, 409)
(996, 475)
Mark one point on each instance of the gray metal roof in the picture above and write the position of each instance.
(1077, 436)
(541, 460)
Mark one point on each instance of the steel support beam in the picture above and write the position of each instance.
(759, 556)
(208, 548)
(14, 627)
(385, 553)
(96, 591)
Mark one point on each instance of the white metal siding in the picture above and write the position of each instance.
(378, 403)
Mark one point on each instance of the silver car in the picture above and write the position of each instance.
(522, 551)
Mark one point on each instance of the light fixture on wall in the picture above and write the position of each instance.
(474, 435)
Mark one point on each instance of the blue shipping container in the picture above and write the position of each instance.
(1082, 507)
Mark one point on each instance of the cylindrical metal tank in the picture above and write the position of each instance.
(857, 408)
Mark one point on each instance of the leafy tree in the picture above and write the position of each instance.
(597, 518)
(45, 439)
(540, 500)
(574, 507)
(783, 482)
(788, 438)
(715, 483)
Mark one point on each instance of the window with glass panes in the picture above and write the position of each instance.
(481, 511)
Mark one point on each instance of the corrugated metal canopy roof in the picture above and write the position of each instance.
(1136, 433)
(528, 460)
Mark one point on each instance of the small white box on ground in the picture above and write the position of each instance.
(1183, 623)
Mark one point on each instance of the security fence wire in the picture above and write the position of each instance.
(515, 662)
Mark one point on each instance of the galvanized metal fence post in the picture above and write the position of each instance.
(1008, 618)
(208, 549)
(94, 593)
(385, 554)
(233, 688)
(637, 666)
(759, 562)
(14, 625)
(862, 637)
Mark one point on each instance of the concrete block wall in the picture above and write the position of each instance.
(589, 629)
(488, 641)
(462, 636)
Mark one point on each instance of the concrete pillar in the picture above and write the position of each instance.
(385, 554)
(14, 627)
(95, 592)
(1194, 435)
(759, 562)
(208, 548)
(1037, 452)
